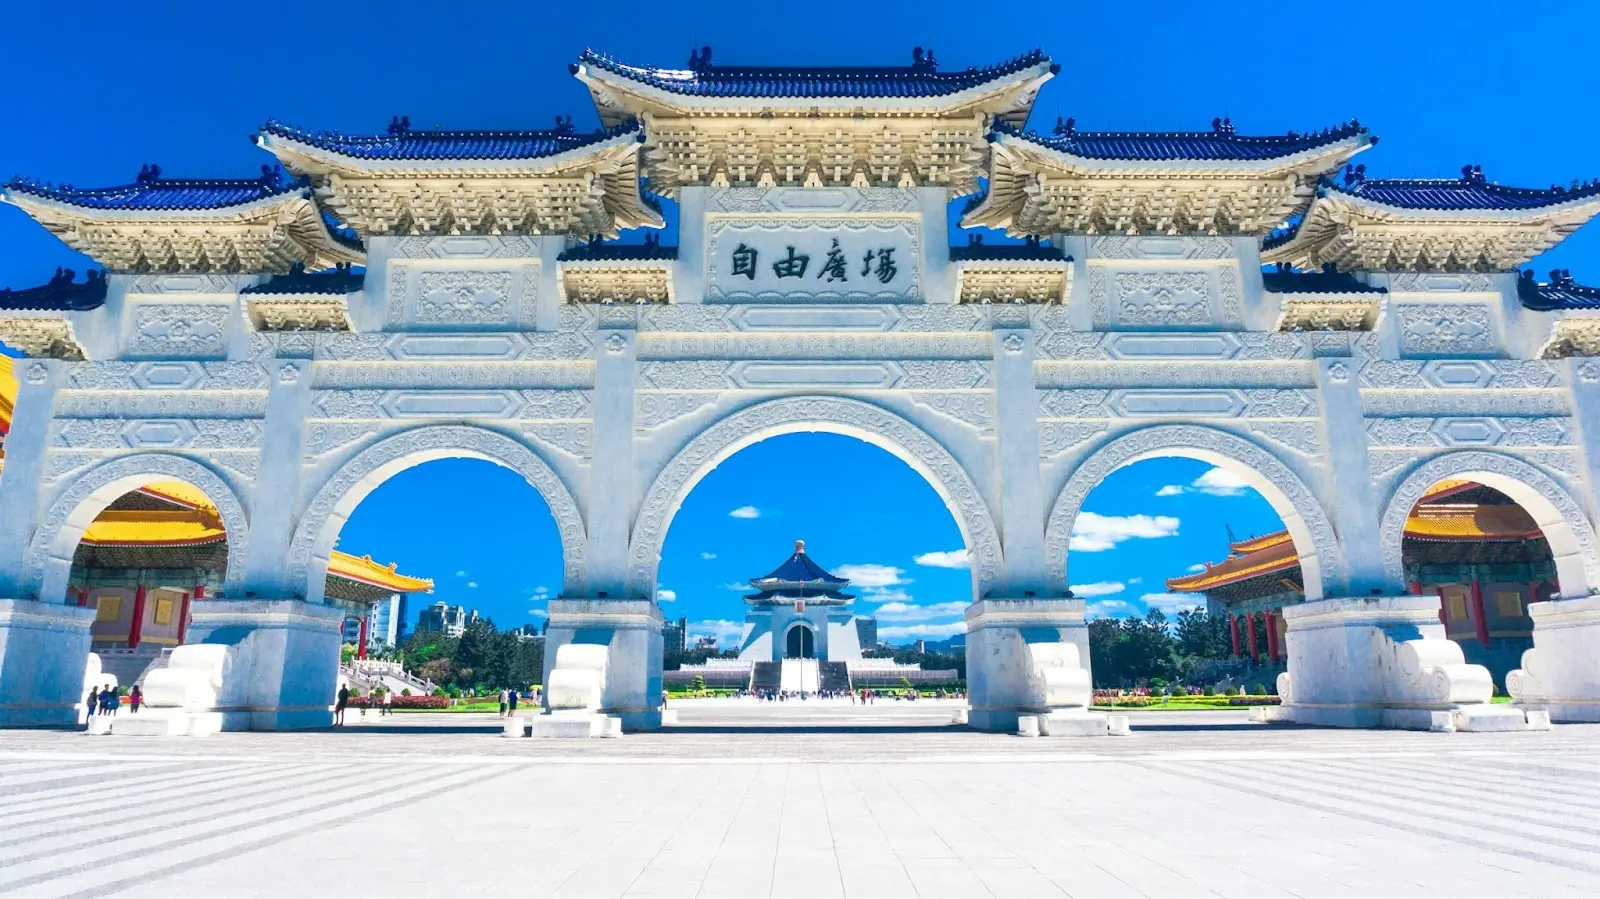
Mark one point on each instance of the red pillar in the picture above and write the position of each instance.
(1416, 588)
(1250, 625)
(83, 596)
(1271, 620)
(1233, 629)
(1477, 612)
(361, 641)
(183, 616)
(137, 627)
(1444, 611)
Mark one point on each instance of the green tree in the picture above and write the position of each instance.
(347, 654)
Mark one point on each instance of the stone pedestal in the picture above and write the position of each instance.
(631, 630)
(43, 648)
(1561, 673)
(1001, 682)
(283, 661)
(1383, 662)
(579, 725)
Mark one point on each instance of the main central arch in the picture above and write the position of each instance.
(851, 418)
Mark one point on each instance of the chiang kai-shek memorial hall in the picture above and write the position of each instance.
(284, 342)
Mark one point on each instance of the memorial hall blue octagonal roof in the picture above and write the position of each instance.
(151, 192)
(1220, 143)
(921, 79)
(402, 143)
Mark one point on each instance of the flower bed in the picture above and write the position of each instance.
(1254, 700)
(403, 702)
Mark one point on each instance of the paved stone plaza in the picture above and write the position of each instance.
(808, 800)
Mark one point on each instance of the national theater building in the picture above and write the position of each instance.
(899, 253)
(1474, 548)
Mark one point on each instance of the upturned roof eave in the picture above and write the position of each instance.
(34, 203)
(296, 152)
(1580, 208)
(1318, 159)
(603, 82)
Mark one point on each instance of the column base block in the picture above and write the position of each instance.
(576, 725)
(1560, 675)
(43, 650)
(630, 629)
(1074, 723)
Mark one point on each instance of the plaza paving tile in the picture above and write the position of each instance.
(818, 799)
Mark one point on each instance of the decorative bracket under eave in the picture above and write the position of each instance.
(42, 335)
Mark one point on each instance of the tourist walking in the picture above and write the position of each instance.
(93, 702)
(135, 698)
(109, 700)
(503, 702)
(512, 697)
(388, 696)
(340, 704)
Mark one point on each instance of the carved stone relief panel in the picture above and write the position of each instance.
(187, 330)
(1443, 329)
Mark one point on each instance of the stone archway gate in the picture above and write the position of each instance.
(800, 297)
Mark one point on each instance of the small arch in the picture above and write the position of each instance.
(1321, 561)
(339, 495)
(1566, 528)
(851, 418)
(77, 504)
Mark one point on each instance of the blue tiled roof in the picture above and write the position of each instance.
(920, 79)
(1472, 191)
(799, 568)
(1329, 280)
(791, 593)
(1561, 292)
(60, 293)
(339, 280)
(1221, 143)
(1030, 250)
(402, 143)
(152, 192)
(617, 252)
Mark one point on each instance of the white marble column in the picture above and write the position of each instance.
(999, 666)
(285, 665)
(1021, 489)
(266, 569)
(21, 480)
(1355, 509)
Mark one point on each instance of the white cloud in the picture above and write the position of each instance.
(1219, 482)
(1099, 588)
(745, 512)
(738, 587)
(949, 558)
(472, 585)
(1092, 533)
(1109, 608)
(904, 611)
(538, 613)
(727, 632)
(1216, 481)
(461, 574)
(665, 595)
(1196, 568)
(1171, 602)
(870, 576)
(1135, 580)
(885, 594)
(708, 556)
(922, 631)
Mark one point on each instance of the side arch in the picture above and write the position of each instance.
(56, 538)
(339, 495)
(1321, 560)
(851, 418)
(1552, 506)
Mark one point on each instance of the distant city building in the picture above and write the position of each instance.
(919, 647)
(528, 633)
(675, 635)
(705, 642)
(388, 621)
(866, 632)
(449, 620)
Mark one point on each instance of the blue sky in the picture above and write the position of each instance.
(489, 542)
(94, 92)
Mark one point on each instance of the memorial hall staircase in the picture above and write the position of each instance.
(835, 677)
(766, 677)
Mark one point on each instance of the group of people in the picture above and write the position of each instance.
(379, 700)
(508, 702)
(106, 700)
